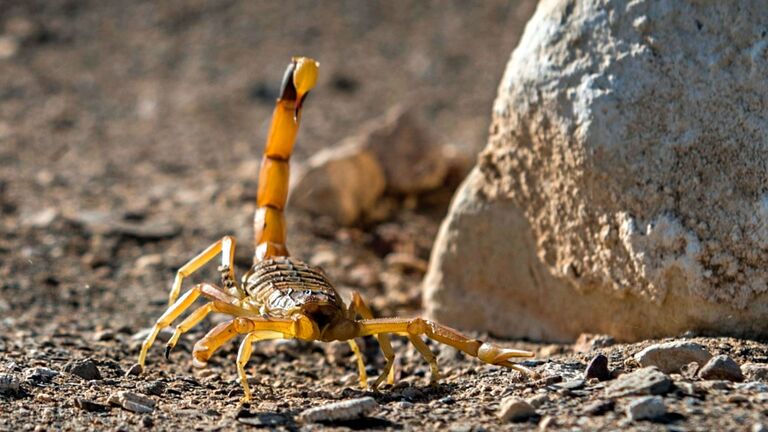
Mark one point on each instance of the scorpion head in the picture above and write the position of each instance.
(322, 307)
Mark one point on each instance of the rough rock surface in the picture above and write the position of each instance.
(670, 357)
(342, 182)
(395, 153)
(623, 188)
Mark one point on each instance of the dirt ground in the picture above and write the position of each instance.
(130, 136)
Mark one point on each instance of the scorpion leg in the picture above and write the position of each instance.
(198, 315)
(244, 354)
(486, 352)
(357, 305)
(360, 363)
(225, 246)
(176, 309)
(222, 333)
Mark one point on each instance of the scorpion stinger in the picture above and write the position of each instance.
(282, 297)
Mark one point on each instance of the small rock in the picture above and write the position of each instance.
(103, 335)
(538, 400)
(598, 368)
(9, 383)
(599, 407)
(575, 384)
(135, 370)
(40, 375)
(737, 398)
(132, 402)
(343, 182)
(759, 427)
(147, 422)
(547, 422)
(645, 381)
(263, 420)
(670, 357)
(755, 371)
(344, 410)
(646, 408)
(409, 155)
(514, 409)
(84, 368)
(754, 387)
(587, 342)
(41, 219)
(8, 47)
(689, 371)
(721, 367)
(90, 406)
(715, 385)
(147, 261)
(154, 388)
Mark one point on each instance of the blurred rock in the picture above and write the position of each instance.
(645, 381)
(587, 342)
(514, 410)
(646, 408)
(342, 182)
(721, 367)
(412, 159)
(670, 357)
(621, 190)
(85, 369)
(755, 371)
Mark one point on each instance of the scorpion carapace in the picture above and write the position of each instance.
(282, 297)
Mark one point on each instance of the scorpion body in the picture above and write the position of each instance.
(282, 297)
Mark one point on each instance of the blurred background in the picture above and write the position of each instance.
(131, 133)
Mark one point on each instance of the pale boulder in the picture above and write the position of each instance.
(623, 188)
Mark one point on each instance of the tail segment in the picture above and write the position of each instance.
(269, 221)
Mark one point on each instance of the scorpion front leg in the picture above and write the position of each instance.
(225, 246)
(414, 328)
(255, 329)
(222, 299)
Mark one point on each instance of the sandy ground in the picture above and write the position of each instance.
(130, 135)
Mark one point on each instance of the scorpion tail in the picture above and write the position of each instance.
(269, 220)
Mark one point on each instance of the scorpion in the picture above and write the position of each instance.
(281, 297)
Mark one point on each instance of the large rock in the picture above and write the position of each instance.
(624, 188)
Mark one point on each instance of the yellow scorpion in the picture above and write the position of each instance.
(281, 297)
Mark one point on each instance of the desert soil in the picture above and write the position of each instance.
(130, 135)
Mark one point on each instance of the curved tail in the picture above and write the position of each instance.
(269, 221)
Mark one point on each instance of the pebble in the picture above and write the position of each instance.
(598, 368)
(345, 410)
(753, 387)
(721, 367)
(514, 409)
(85, 368)
(263, 420)
(132, 402)
(670, 357)
(90, 406)
(645, 381)
(759, 427)
(646, 408)
(538, 400)
(9, 383)
(40, 375)
(599, 407)
(135, 370)
(755, 371)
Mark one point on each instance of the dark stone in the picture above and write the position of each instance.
(598, 368)
(85, 369)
